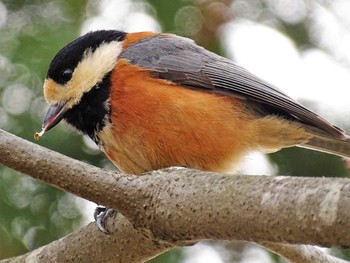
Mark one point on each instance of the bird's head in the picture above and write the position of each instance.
(76, 70)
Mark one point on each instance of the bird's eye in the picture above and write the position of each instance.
(66, 75)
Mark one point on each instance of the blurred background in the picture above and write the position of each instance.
(302, 46)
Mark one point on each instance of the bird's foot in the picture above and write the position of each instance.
(101, 215)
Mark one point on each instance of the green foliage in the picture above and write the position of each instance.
(33, 213)
(172, 256)
(166, 12)
(303, 162)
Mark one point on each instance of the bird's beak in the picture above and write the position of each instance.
(53, 116)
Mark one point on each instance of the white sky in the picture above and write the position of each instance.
(311, 75)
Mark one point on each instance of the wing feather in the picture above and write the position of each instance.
(181, 61)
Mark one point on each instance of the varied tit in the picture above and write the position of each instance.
(151, 100)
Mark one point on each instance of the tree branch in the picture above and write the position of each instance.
(301, 253)
(127, 244)
(175, 206)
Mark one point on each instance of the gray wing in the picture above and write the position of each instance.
(180, 60)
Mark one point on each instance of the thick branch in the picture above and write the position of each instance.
(188, 205)
(127, 244)
(301, 253)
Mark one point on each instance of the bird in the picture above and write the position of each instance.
(154, 100)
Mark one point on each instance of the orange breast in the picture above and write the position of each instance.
(156, 124)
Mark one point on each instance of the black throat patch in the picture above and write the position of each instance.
(93, 111)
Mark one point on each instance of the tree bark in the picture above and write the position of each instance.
(177, 206)
(301, 253)
(127, 244)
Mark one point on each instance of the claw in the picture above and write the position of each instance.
(101, 215)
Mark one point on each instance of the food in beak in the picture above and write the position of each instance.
(53, 116)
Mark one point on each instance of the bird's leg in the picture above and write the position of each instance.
(101, 216)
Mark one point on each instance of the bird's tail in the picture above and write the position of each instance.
(334, 145)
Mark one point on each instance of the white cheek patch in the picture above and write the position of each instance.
(91, 70)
